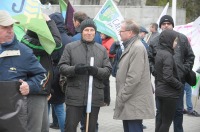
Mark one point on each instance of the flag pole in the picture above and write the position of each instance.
(89, 101)
(174, 11)
(164, 12)
(148, 37)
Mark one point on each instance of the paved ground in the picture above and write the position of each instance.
(108, 124)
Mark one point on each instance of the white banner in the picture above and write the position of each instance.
(192, 31)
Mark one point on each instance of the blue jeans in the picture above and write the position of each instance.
(60, 114)
(132, 125)
(188, 92)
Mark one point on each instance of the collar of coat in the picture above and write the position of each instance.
(131, 40)
(128, 44)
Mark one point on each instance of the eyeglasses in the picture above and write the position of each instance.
(123, 31)
(166, 23)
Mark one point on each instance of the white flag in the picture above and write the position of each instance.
(192, 31)
(164, 12)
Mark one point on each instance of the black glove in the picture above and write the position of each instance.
(92, 70)
(81, 69)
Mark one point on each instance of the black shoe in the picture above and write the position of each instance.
(194, 113)
(54, 126)
(185, 111)
(144, 127)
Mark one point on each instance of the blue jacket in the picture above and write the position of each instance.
(145, 44)
(21, 64)
(116, 50)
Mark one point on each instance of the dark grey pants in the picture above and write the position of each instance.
(38, 113)
(74, 115)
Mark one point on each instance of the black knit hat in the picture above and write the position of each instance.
(166, 18)
(87, 23)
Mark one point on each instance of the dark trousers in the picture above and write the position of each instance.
(74, 115)
(132, 125)
(178, 117)
(167, 108)
(82, 122)
(106, 83)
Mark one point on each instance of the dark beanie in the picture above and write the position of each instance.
(166, 18)
(87, 23)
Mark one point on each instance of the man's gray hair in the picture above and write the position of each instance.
(131, 25)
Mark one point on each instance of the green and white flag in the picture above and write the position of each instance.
(108, 20)
(29, 14)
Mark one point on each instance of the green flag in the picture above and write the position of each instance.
(29, 14)
(108, 20)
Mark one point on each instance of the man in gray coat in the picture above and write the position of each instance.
(134, 101)
(75, 64)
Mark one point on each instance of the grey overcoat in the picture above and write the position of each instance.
(134, 96)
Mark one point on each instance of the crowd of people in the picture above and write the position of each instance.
(37, 74)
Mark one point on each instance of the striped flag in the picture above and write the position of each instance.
(29, 14)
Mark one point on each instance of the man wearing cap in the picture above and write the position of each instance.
(142, 35)
(184, 59)
(19, 64)
(75, 64)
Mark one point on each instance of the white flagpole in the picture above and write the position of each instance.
(174, 11)
(89, 101)
(164, 12)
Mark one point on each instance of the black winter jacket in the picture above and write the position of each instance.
(167, 81)
(80, 52)
(184, 56)
(57, 96)
(46, 60)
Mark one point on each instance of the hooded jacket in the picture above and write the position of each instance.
(183, 56)
(167, 81)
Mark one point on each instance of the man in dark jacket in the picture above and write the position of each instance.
(38, 116)
(75, 64)
(18, 65)
(57, 96)
(77, 19)
(184, 59)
